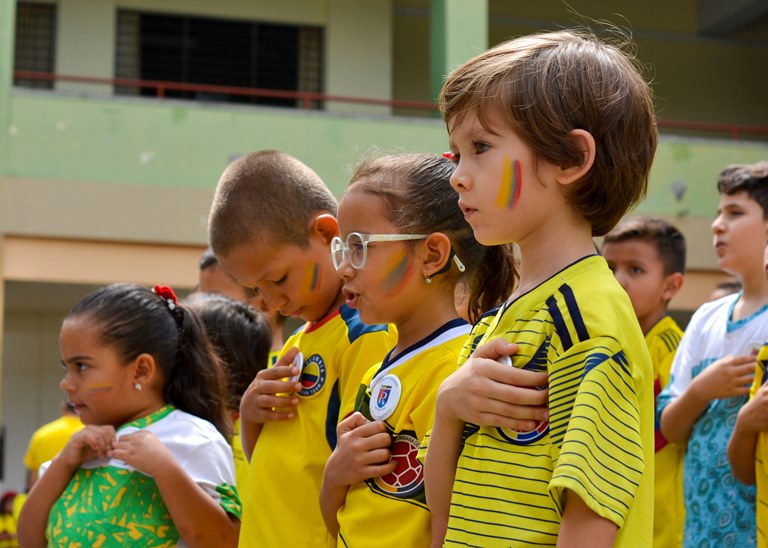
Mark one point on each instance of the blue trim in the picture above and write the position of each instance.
(573, 310)
(458, 322)
(560, 328)
(332, 416)
(734, 325)
(355, 326)
(584, 258)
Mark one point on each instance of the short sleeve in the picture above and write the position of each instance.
(211, 467)
(759, 379)
(601, 455)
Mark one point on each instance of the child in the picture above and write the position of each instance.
(241, 338)
(402, 252)
(554, 135)
(271, 227)
(647, 256)
(152, 466)
(747, 449)
(715, 365)
(7, 521)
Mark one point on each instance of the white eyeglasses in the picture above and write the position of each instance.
(356, 247)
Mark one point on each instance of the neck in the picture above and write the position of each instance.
(551, 250)
(429, 313)
(754, 295)
(647, 322)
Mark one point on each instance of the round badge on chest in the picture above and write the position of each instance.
(384, 397)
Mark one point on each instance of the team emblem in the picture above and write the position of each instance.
(519, 437)
(407, 481)
(312, 375)
(385, 397)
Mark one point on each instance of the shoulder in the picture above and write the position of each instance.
(714, 311)
(356, 328)
(180, 424)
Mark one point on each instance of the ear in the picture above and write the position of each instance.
(437, 252)
(672, 284)
(324, 226)
(144, 369)
(582, 141)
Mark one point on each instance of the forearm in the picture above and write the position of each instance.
(44, 494)
(583, 527)
(332, 497)
(200, 520)
(741, 453)
(681, 414)
(249, 433)
(440, 471)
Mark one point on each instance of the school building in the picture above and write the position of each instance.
(118, 116)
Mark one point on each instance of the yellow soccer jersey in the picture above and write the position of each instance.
(241, 463)
(401, 391)
(509, 490)
(282, 492)
(49, 439)
(669, 507)
(273, 355)
(761, 457)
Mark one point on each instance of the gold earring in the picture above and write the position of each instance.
(427, 278)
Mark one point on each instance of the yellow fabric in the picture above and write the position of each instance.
(8, 527)
(282, 490)
(241, 463)
(49, 439)
(509, 490)
(669, 505)
(761, 457)
(18, 504)
(391, 510)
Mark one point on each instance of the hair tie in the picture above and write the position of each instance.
(167, 294)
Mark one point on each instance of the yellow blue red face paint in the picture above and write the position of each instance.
(99, 388)
(312, 277)
(511, 184)
(398, 274)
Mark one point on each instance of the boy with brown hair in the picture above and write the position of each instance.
(271, 226)
(715, 365)
(647, 256)
(554, 135)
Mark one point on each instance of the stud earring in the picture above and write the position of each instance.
(137, 386)
(427, 278)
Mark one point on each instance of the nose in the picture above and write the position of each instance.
(273, 299)
(717, 225)
(621, 277)
(66, 384)
(460, 179)
(345, 270)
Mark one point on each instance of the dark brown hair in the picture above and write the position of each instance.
(420, 200)
(749, 178)
(544, 86)
(665, 237)
(266, 194)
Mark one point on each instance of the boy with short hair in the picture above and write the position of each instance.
(715, 364)
(647, 256)
(554, 135)
(271, 226)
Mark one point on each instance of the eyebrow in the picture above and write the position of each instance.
(75, 359)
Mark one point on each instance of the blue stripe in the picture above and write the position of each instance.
(332, 416)
(573, 310)
(355, 326)
(557, 319)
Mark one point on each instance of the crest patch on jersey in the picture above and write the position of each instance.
(408, 478)
(517, 437)
(384, 397)
(312, 375)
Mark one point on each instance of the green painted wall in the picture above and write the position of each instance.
(177, 144)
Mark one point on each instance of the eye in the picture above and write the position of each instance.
(480, 147)
(281, 280)
(80, 366)
(636, 270)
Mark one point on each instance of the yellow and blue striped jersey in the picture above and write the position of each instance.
(761, 456)
(282, 490)
(510, 486)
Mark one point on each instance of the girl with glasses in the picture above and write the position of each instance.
(405, 254)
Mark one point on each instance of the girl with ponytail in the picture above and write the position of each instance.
(152, 467)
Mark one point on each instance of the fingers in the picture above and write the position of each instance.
(287, 358)
(492, 350)
(355, 420)
(276, 374)
(382, 469)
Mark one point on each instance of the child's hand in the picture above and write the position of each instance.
(270, 397)
(753, 415)
(727, 377)
(487, 393)
(92, 442)
(144, 451)
(362, 452)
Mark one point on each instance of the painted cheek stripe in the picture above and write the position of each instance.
(312, 276)
(398, 275)
(511, 184)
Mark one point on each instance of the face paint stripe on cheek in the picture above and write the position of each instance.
(312, 277)
(511, 184)
(99, 388)
(398, 274)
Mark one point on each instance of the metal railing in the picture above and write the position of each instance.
(308, 100)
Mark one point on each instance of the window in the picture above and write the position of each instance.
(197, 50)
(35, 42)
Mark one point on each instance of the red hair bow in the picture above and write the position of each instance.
(166, 293)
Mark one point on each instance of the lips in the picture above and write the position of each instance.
(350, 296)
(468, 211)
